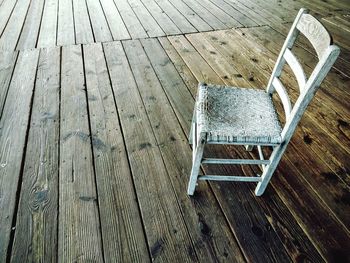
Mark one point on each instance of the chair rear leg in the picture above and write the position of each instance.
(270, 169)
(197, 160)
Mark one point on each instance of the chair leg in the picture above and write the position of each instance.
(198, 150)
(270, 169)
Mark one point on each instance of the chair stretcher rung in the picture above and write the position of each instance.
(233, 161)
(229, 178)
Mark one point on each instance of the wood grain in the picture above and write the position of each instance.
(13, 129)
(79, 236)
(7, 64)
(121, 224)
(167, 236)
(36, 225)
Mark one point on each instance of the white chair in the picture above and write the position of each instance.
(230, 115)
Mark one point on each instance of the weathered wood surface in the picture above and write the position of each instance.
(35, 238)
(177, 158)
(7, 64)
(121, 224)
(122, 19)
(127, 108)
(13, 130)
(79, 236)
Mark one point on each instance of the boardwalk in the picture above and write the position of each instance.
(96, 100)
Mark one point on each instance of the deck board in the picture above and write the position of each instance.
(96, 101)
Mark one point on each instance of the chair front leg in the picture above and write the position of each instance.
(198, 149)
(270, 168)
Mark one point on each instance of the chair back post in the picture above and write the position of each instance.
(317, 76)
(292, 35)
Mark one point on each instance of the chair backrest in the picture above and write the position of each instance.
(327, 53)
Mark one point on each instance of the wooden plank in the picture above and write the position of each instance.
(5, 13)
(179, 20)
(239, 16)
(65, 23)
(220, 65)
(30, 31)
(14, 26)
(191, 16)
(201, 70)
(121, 224)
(131, 21)
(98, 22)
(79, 228)
(161, 17)
(36, 225)
(226, 19)
(175, 150)
(294, 238)
(13, 129)
(205, 14)
(180, 65)
(115, 21)
(48, 27)
(164, 225)
(146, 19)
(83, 30)
(256, 17)
(7, 64)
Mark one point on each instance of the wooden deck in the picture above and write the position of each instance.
(96, 100)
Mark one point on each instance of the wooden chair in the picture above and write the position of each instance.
(230, 115)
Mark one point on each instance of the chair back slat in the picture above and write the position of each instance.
(292, 35)
(317, 76)
(315, 32)
(282, 93)
(296, 68)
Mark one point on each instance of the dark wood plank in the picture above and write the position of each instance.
(82, 26)
(48, 28)
(13, 129)
(14, 26)
(79, 234)
(30, 31)
(65, 23)
(7, 64)
(36, 225)
(121, 225)
(177, 154)
(167, 236)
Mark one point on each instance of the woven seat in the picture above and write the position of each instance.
(244, 116)
(230, 114)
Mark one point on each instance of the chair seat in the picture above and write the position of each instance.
(237, 115)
